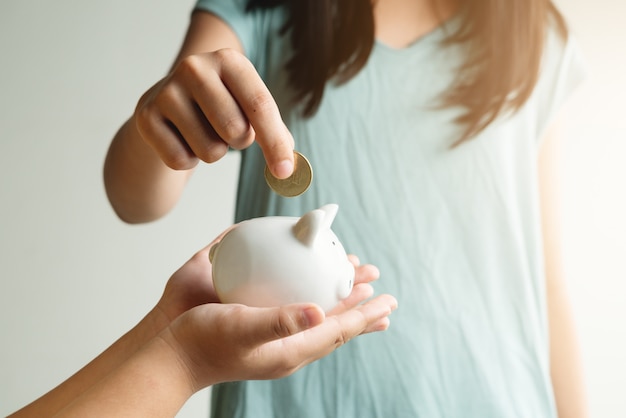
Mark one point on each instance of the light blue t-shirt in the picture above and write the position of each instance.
(455, 233)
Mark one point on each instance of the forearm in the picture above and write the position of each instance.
(139, 185)
(96, 370)
(154, 382)
(565, 361)
(565, 358)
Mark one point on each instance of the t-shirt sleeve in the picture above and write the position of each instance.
(563, 70)
(257, 30)
(233, 13)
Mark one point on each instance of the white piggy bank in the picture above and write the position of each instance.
(277, 260)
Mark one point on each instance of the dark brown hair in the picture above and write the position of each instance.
(332, 40)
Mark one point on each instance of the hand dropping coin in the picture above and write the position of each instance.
(297, 183)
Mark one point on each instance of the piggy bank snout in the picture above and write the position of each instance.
(346, 281)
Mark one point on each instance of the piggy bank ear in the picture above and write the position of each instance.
(309, 226)
(330, 211)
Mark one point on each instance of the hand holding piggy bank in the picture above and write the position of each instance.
(277, 260)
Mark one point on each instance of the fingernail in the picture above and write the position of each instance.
(310, 317)
(283, 169)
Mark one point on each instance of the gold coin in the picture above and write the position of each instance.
(297, 183)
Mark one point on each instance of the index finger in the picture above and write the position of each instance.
(262, 112)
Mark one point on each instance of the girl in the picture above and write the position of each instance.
(428, 123)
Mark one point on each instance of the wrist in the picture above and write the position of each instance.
(187, 368)
(157, 320)
(148, 328)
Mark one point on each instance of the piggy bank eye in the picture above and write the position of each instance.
(334, 243)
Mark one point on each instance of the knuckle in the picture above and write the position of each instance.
(262, 103)
(285, 326)
(341, 339)
(233, 128)
(190, 66)
(230, 57)
(179, 160)
(237, 132)
(150, 125)
(167, 96)
(343, 334)
(145, 120)
(213, 152)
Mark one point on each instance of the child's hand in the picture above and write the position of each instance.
(211, 102)
(219, 343)
(223, 342)
(191, 285)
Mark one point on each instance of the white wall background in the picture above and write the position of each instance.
(595, 201)
(73, 278)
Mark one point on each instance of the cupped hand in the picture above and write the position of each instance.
(208, 103)
(220, 343)
(191, 285)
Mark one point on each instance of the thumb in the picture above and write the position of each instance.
(268, 324)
